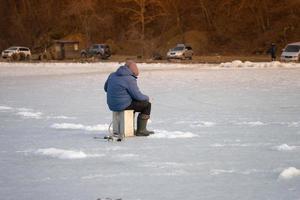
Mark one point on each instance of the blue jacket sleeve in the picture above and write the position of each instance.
(106, 82)
(135, 92)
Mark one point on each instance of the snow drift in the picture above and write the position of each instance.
(71, 126)
(64, 154)
(172, 134)
(5, 108)
(289, 173)
(285, 147)
(33, 115)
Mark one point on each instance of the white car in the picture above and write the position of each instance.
(17, 53)
(291, 52)
(181, 51)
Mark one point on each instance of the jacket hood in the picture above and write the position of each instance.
(124, 71)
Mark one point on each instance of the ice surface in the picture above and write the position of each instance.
(225, 131)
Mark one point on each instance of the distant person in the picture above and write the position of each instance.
(123, 94)
(272, 51)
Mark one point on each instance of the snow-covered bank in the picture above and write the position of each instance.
(275, 64)
(31, 69)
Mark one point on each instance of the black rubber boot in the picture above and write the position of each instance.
(141, 126)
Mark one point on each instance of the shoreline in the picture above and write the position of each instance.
(205, 59)
(16, 69)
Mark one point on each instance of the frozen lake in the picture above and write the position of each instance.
(228, 132)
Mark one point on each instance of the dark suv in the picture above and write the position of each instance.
(101, 51)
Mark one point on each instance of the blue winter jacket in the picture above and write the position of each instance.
(121, 88)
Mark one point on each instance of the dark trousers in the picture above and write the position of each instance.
(273, 57)
(143, 107)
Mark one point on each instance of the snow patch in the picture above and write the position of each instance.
(293, 124)
(235, 63)
(64, 154)
(204, 124)
(197, 123)
(238, 144)
(5, 108)
(215, 172)
(285, 147)
(218, 145)
(248, 64)
(71, 126)
(169, 165)
(27, 114)
(24, 109)
(128, 155)
(232, 145)
(289, 173)
(60, 117)
(172, 134)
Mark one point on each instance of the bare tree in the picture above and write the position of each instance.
(142, 12)
(206, 13)
(84, 11)
(257, 9)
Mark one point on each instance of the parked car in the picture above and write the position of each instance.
(99, 50)
(181, 51)
(16, 53)
(291, 52)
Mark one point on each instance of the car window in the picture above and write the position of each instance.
(24, 49)
(12, 48)
(189, 48)
(95, 47)
(178, 49)
(292, 48)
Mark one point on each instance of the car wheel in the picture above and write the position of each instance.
(22, 56)
(105, 56)
(44, 56)
(15, 57)
(99, 56)
(28, 57)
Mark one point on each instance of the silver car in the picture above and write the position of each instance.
(17, 53)
(181, 51)
(291, 52)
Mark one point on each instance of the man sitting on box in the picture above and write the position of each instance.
(123, 93)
